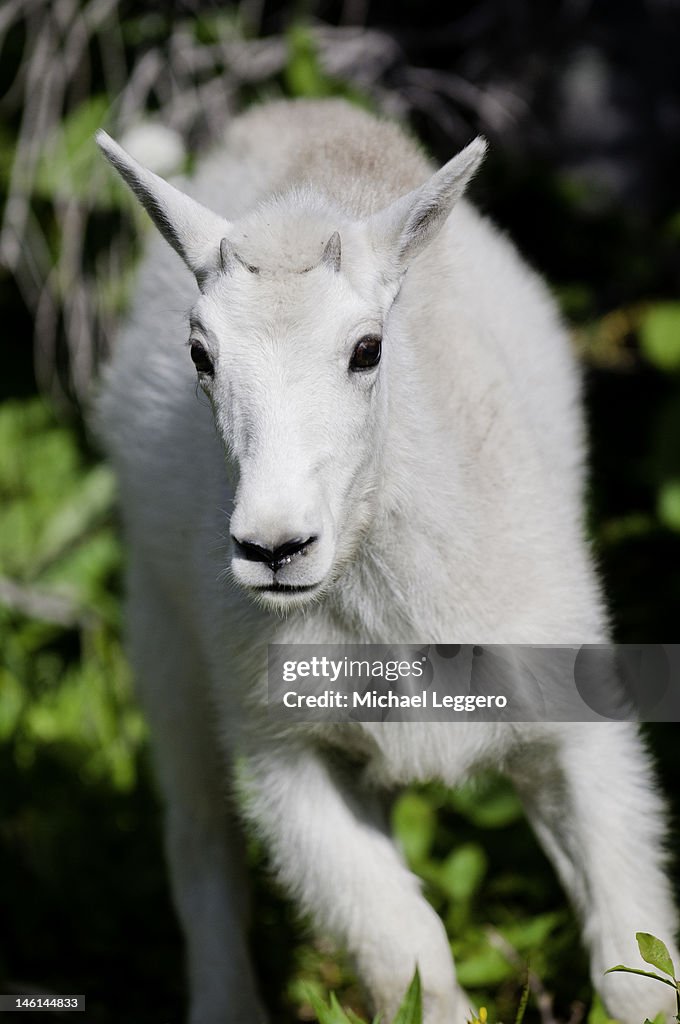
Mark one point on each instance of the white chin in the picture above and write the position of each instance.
(285, 595)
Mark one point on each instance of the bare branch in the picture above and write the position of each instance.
(48, 605)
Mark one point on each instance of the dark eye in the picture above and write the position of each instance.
(201, 359)
(366, 352)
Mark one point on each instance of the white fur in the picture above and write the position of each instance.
(444, 490)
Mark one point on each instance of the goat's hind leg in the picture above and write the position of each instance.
(202, 841)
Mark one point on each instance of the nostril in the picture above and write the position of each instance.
(273, 557)
(252, 552)
(290, 548)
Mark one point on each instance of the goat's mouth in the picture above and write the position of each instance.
(283, 588)
(285, 597)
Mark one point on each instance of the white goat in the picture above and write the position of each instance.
(431, 495)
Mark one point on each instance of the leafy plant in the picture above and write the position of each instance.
(331, 1012)
(64, 680)
(653, 951)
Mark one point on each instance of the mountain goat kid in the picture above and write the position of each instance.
(385, 445)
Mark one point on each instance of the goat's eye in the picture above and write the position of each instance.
(366, 352)
(201, 359)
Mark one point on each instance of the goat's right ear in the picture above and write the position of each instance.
(192, 230)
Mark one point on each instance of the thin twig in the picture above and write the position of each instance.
(56, 608)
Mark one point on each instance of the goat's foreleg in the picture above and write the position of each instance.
(331, 852)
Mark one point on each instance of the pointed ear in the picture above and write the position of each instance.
(403, 229)
(193, 231)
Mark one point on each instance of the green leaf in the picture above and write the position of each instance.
(660, 336)
(462, 872)
(326, 1013)
(337, 1010)
(483, 967)
(668, 504)
(488, 802)
(352, 1017)
(411, 1009)
(653, 951)
(71, 166)
(12, 700)
(530, 934)
(598, 1013)
(303, 74)
(414, 823)
(644, 974)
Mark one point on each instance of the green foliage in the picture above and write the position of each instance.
(471, 880)
(668, 504)
(479, 965)
(304, 77)
(462, 872)
(660, 335)
(655, 952)
(598, 1014)
(523, 1003)
(414, 823)
(488, 803)
(328, 1012)
(331, 1012)
(70, 166)
(60, 552)
(652, 950)
(411, 1009)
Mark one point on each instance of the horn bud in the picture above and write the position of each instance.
(229, 258)
(332, 253)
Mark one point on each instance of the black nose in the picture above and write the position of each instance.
(273, 557)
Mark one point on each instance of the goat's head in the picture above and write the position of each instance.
(289, 337)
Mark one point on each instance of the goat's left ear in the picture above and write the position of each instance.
(403, 229)
(194, 232)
